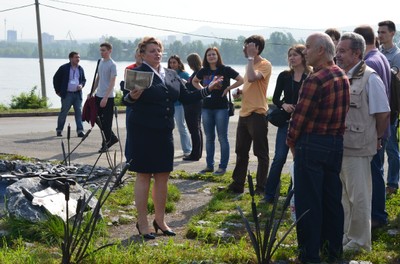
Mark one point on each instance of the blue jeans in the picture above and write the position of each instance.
(75, 100)
(281, 152)
(392, 151)
(216, 119)
(378, 212)
(317, 185)
(183, 131)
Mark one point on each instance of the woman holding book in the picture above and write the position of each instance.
(151, 139)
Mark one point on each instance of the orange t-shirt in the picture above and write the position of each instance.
(254, 95)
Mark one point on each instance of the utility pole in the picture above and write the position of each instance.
(40, 47)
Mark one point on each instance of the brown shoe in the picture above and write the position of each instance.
(390, 191)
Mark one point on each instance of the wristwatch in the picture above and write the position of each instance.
(250, 58)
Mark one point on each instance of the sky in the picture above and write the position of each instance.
(91, 19)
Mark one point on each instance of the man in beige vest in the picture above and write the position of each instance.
(366, 121)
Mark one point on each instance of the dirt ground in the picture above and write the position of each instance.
(195, 195)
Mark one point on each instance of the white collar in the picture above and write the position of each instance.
(160, 72)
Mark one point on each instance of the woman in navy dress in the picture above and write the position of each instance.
(151, 139)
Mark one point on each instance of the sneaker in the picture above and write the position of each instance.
(59, 134)
(189, 158)
(112, 142)
(206, 170)
(351, 247)
(81, 134)
(103, 149)
(219, 172)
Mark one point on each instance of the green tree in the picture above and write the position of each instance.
(276, 47)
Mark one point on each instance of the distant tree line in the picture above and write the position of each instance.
(231, 50)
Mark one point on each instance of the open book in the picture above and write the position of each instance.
(137, 79)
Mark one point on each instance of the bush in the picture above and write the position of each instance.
(118, 98)
(28, 101)
(3, 107)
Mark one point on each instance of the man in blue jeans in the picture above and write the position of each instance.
(315, 138)
(68, 83)
(386, 32)
(377, 61)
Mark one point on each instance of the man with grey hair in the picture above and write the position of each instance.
(366, 123)
(315, 138)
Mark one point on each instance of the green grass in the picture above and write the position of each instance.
(205, 241)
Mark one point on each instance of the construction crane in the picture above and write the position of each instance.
(70, 36)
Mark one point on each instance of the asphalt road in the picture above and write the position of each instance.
(36, 137)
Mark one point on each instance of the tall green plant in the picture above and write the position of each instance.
(78, 237)
(265, 245)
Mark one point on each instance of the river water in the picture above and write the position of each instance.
(19, 75)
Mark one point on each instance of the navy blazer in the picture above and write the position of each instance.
(61, 79)
(155, 107)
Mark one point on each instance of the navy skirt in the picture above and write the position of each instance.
(151, 150)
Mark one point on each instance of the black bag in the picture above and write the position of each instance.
(278, 117)
(231, 106)
(394, 95)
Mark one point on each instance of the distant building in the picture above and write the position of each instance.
(11, 36)
(47, 38)
(171, 39)
(186, 39)
(102, 39)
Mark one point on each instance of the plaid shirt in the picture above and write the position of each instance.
(323, 104)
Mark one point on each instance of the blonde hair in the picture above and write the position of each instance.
(149, 40)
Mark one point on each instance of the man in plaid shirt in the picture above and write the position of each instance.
(315, 138)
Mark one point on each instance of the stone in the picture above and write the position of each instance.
(20, 206)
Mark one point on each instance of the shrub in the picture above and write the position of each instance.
(3, 107)
(28, 101)
(118, 98)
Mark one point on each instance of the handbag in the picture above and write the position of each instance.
(278, 117)
(231, 106)
(89, 110)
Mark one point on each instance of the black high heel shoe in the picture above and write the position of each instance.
(165, 232)
(146, 236)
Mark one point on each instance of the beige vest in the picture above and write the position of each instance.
(360, 136)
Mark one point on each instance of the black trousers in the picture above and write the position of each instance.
(193, 121)
(106, 118)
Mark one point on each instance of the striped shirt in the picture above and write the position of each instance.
(323, 104)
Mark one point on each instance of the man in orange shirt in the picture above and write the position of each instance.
(253, 126)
